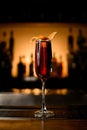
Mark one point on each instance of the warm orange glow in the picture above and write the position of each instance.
(23, 32)
(26, 91)
(36, 91)
(62, 91)
(15, 90)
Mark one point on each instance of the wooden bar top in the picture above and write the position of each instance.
(61, 112)
(33, 124)
(67, 117)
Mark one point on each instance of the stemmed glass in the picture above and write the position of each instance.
(43, 67)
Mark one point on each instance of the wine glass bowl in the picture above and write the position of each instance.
(43, 56)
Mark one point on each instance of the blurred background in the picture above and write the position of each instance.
(19, 22)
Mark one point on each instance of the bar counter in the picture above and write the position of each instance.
(33, 124)
(17, 111)
(67, 117)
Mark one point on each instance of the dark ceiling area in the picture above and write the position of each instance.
(43, 11)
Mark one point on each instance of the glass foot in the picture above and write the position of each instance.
(46, 113)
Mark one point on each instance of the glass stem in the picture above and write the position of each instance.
(43, 97)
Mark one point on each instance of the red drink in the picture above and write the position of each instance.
(43, 56)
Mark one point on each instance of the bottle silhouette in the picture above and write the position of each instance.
(70, 41)
(54, 65)
(80, 40)
(11, 44)
(60, 67)
(31, 72)
(5, 63)
(21, 68)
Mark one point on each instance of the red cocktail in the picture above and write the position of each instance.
(43, 57)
